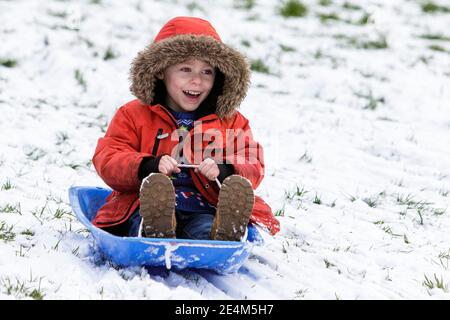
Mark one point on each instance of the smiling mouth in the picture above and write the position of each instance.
(192, 94)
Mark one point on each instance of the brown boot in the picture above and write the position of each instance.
(157, 208)
(234, 208)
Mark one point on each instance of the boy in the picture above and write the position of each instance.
(181, 159)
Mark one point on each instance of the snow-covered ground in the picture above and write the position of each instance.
(353, 113)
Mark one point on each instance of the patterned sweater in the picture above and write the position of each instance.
(188, 198)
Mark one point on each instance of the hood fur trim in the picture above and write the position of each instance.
(155, 58)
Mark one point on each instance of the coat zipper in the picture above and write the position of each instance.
(156, 143)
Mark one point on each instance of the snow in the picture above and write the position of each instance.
(356, 147)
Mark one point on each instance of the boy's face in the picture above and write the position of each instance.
(188, 83)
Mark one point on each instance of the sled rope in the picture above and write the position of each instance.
(194, 166)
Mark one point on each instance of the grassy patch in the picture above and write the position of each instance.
(372, 102)
(6, 232)
(35, 153)
(351, 6)
(405, 239)
(79, 77)
(8, 63)
(285, 48)
(305, 157)
(325, 3)
(9, 208)
(431, 7)
(377, 44)
(86, 41)
(293, 8)
(326, 17)
(317, 200)
(438, 48)
(371, 202)
(246, 43)
(39, 212)
(110, 54)
(295, 194)
(419, 206)
(318, 54)
(380, 43)
(444, 258)
(436, 283)
(445, 255)
(244, 4)
(364, 20)
(300, 294)
(61, 138)
(389, 231)
(20, 289)
(374, 200)
(386, 228)
(438, 211)
(259, 66)
(280, 212)
(330, 265)
(28, 232)
(7, 185)
(411, 203)
(58, 14)
(59, 213)
(434, 36)
(74, 165)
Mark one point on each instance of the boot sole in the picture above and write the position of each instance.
(157, 209)
(236, 199)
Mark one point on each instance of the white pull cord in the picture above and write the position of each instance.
(194, 166)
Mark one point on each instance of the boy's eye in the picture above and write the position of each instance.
(185, 69)
(208, 71)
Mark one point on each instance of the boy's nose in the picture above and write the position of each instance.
(196, 78)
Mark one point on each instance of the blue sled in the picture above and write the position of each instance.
(220, 256)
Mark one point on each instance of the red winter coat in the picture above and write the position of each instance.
(131, 136)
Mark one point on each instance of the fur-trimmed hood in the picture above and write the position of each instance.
(180, 39)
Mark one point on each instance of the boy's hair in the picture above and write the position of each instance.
(180, 39)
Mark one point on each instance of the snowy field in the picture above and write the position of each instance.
(351, 103)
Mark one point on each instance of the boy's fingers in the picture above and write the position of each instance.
(204, 169)
(173, 161)
(166, 168)
(163, 170)
(207, 163)
(209, 170)
(209, 166)
(170, 167)
(212, 174)
(207, 174)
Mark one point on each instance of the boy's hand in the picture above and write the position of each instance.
(209, 169)
(168, 165)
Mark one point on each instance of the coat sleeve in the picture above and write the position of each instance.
(248, 156)
(117, 157)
